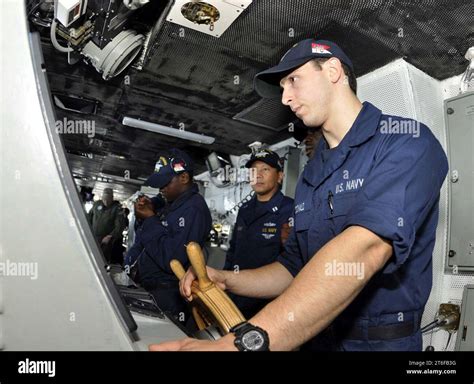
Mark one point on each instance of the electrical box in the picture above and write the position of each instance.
(465, 338)
(212, 17)
(68, 11)
(459, 116)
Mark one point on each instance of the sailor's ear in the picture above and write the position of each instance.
(184, 178)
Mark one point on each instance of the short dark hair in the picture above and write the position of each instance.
(347, 71)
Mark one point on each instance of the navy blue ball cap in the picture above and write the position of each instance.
(168, 166)
(267, 156)
(267, 83)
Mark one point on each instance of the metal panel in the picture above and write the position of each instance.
(66, 301)
(291, 170)
(460, 126)
(227, 12)
(465, 339)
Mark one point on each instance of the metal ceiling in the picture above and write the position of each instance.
(203, 81)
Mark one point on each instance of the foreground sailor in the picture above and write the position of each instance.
(357, 267)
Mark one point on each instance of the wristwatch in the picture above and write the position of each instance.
(250, 338)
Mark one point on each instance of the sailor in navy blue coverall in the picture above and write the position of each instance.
(162, 237)
(389, 185)
(357, 267)
(257, 236)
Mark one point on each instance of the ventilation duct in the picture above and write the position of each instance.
(267, 113)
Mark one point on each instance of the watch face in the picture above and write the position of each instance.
(253, 340)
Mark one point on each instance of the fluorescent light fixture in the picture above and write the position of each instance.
(158, 128)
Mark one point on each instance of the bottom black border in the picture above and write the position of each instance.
(456, 367)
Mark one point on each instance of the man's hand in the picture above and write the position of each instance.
(106, 239)
(223, 344)
(215, 275)
(144, 208)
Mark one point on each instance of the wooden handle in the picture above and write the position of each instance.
(177, 269)
(197, 261)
